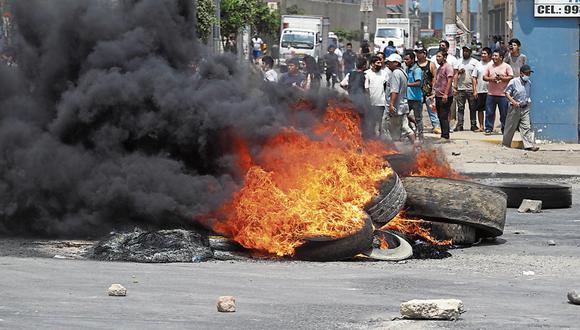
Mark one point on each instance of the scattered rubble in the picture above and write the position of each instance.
(154, 246)
(432, 309)
(551, 243)
(117, 290)
(574, 297)
(453, 153)
(530, 206)
(226, 304)
(528, 273)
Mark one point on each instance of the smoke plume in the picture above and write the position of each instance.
(103, 124)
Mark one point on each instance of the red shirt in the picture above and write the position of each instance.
(497, 89)
(443, 72)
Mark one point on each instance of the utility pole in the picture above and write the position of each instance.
(450, 12)
(465, 17)
(216, 31)
(484, 25)
(429, 24)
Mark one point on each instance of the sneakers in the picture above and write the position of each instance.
(487, 132)
(474, 128)
(437, 130)
(532, 149)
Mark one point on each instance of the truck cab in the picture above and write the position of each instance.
(302, 35)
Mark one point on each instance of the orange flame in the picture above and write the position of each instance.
(429, 162)
(384, 244)
(415, 227)
(301, 186)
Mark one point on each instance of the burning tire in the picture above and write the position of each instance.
(402, 164)
(389, 202)
(456, 201)
(331, 249)
(458, 234)
(552, 195)
(398, 247)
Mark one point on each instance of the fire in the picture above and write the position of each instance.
(428, 162)
(384, 244)
(415, 227)
(301, 186)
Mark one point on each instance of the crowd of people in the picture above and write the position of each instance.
(400, 87)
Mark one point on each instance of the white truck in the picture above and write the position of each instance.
(403, 32)
(302, 35)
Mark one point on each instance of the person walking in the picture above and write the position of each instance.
(375, 84)
(398, 107)
(354, 82)
(365, 49)
(518, 94)
(348, 59)
(463, 89)
(256, 48)
(480, 86)
(331, 63)
(292, 78)
(414, 91)
(515, 58)
(312, 74)
(443, 96)
(497, 74)
(389, 49)
(429, 69)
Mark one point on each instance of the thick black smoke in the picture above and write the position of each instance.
(104, 126)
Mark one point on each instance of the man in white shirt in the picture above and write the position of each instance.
(480, 86)
(267, 66)
(375, 83)
(463, 89)
(257, 48)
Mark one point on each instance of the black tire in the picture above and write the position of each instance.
(459, 234)
(456, 201)
(402, 164)
(552, 195)
(329, 249)
(389, 202)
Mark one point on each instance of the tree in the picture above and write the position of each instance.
(235, 14)
(205, 14)
(295, 10)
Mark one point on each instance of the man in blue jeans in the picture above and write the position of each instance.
(498, 74)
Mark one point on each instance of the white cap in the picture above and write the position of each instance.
(394, 58)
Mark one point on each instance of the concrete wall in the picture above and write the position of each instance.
(552, 46)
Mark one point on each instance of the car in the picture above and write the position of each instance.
(431, 51)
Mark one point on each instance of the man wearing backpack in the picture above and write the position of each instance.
(354, 82)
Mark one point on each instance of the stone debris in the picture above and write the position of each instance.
(453, 153)
(574, 297)
(117, 290)
(530, 206)
(551, 243)
(432, 309)
(226, 304)
(528, 273)
(58, 256)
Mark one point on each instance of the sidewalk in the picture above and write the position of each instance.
(478, 155)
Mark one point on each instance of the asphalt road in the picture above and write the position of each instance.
(51, 293)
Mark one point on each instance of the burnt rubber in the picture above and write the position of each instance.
(459, 234)
(335, 249)
(399, 248)
(402, 164)
(552, 195)
(457, 201)
(389, 202)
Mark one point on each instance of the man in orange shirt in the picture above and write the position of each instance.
(498, 75)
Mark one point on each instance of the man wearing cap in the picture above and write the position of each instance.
(397, 107)
(293, 77)
(463, 89)
(518, 94)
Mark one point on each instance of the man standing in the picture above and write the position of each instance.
(498, 74)
(354, 81)
(442, 87)
(348, 59)
(397, 103)
(414, 91)
(463, 89)
(375, 83)
(267, 66)
(480, 86)
(518, 94)
(451, 59)
(257, 48)
(331, 62)
(429, 71)
(390, 49)
(292, 78)
(515, 58)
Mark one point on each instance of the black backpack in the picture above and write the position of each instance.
(356, 82)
